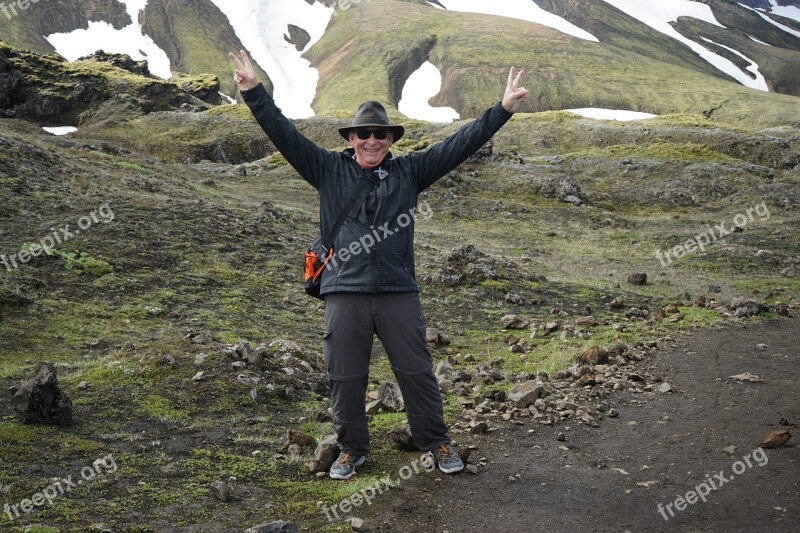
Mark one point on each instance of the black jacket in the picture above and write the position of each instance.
(371, 256)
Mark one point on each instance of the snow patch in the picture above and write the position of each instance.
(753, 67)
(421, 86)
(610, 114)
(658, 16)
(785, 28)
(60, 130)
(102, 36)
(790, 12)
(519, 9)
(759, 42)
(228, 98)
(261, 26)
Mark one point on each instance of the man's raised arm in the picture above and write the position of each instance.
(451, 152)
(307, 158)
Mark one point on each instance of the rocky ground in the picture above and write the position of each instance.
(720, 392)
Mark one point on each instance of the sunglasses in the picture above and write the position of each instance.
(364, 134)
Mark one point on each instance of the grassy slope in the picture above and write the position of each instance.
(474, 53)
(192, 248)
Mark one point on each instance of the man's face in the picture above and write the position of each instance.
(371, 151)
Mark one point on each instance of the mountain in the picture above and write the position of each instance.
(323, 57)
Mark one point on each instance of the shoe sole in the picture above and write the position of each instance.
(357, 463)
(451, 470)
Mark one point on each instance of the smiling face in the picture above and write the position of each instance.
(371, 152)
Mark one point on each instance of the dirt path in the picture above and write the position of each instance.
(675, 440)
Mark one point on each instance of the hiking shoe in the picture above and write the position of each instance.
(448, 460)
(345, 465)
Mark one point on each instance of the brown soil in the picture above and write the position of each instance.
(673, 439)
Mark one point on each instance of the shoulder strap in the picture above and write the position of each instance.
(354, 203)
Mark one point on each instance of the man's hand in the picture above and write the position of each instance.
(245, 74)
(514, 93)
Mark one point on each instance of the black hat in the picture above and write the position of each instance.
(372, 114)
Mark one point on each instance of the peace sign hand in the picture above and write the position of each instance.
(514, 93)
(245, 74)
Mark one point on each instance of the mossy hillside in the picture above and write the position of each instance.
(53, 91)
(216, 248)
(197, 38)
(475, 53)
(26, 29)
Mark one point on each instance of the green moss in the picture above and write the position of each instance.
(276, 159)
(240, 111)
(661, 151)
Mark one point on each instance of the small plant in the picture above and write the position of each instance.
(80, 262)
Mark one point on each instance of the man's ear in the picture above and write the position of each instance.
(350, 139)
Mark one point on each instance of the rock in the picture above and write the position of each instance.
(746, 307)
(359, 524)
(586, 380)
(401, 439)
(373, 407)
(200, 376)
(294, 450)
(278, 526)
(792, 271)
(326, 453)
(561, 437)
(747, 376)
(525, 394)
(390, 397)
(40, 400)
(514, 322)
(221, 491)
(464, 452)
(664, 387)
(563, 188)
(635, 312)
(637, 279)
(613, 413)
(617, 303)
(431, 335)
(774, 439)
(730, 450)
(299, 438)
(83, 385)
(314, 466)
(478, 427)
(298, 37)
(515, 299)
(472, 469)
(595, 355)
(550, 327)
(586, 321)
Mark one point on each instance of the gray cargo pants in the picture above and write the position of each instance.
(351, 320)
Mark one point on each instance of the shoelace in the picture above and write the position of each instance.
(444, 452)
(345, 458)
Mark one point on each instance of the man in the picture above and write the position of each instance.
(369, 286)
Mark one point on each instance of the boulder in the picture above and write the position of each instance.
(40, 400)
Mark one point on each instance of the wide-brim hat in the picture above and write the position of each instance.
(372, 114)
